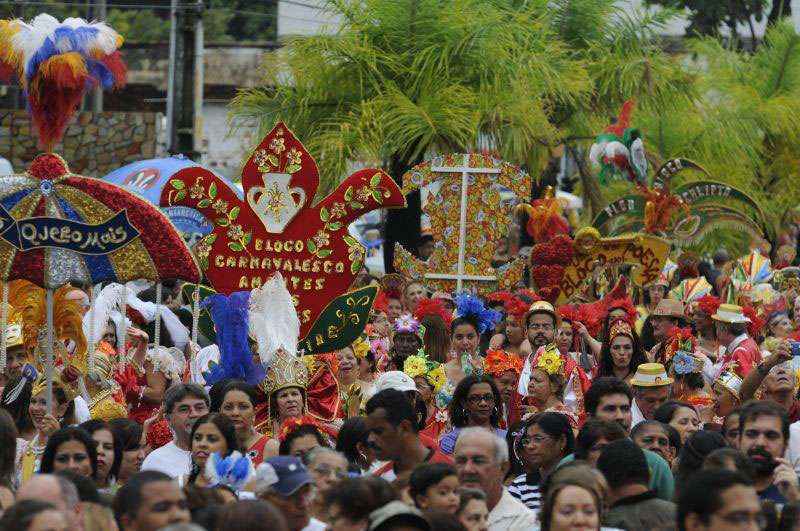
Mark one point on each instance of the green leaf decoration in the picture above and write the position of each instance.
(273, 160)
(234, 213)
(212, 190)
(211, 238)
(204, 203)
(355, 205)
(177, 184)
(341, 322)
(180, 196)
(376, 195)
(223, 222)
(292, 168)
(311, 246)
(247, 238)
(334, 226)
(348, 194)
(324, 215)
(349, 240)
(235, 246)
(355, 266)
(324, 253)
(375, 180)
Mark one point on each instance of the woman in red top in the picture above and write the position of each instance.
(238, 404)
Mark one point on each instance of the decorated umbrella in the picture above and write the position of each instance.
(55, 226)
(148, 177)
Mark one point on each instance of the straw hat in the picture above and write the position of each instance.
(542, 307)
(669, 308)
(730, 313)
(650, 375)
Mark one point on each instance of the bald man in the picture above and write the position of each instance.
(56, 490)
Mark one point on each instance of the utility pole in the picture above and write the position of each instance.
(101, 14)
(185, 82)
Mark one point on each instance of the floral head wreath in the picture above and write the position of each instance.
(432, 371)
(290, 425)
(471, 307)
(622, 303)
(499, 361)
(680, 341)
(756, 322)
(433, 307)
(708, 304)
(549, 360)
(620, 327)
(361, 347)
(516, 309)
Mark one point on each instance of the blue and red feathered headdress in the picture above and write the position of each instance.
(56, 63)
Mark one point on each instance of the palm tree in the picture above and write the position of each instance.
(400, 80)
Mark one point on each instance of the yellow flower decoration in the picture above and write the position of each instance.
(550, 361)
(415, 366)
(437, 378)
(360, 348)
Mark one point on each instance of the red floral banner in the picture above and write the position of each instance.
(277, 228)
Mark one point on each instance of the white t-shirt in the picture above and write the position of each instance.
(82, 413)
(170, 460)
(315, 525)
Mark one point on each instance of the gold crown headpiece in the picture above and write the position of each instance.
(40, 384)
(620, 327)
(285, 371)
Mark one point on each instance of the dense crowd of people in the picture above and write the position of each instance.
(660, 407)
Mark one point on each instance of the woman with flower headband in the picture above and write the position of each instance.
(701, 311)
(512, 336)
(351, 388)
(573, 339)
(431, 381)
(406, 341)
(546, 386)
(687, 369)
(472, 320)
(505, 368)
(621, 353)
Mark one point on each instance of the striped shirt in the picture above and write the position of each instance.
(527, 491)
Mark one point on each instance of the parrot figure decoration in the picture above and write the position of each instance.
(619, 150)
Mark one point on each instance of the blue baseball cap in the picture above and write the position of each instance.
(290, 474)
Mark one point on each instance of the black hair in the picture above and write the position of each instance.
(719, 458)
(237, 385)
(647, 338)
(466, 495)
(465, 320)
(554, 424)
(606, 365)
(18, 408)
(178, 392)
(225, 426)
(426, 476)
(127, 432)
(603, 386)
(87, 490)
(736, 412)
(301, 431)
(128, 499)
(353, 431)
(623, 463)
(21, 515)
(459, 417)
(94, 425)
(674, 438)
(396, 406)
(702, 496)
(591, 431)
(666, 411)
(764, 408)
(441, 520)
(8, 450)
(693, 453)
(515, 465)
(692, 380)
(61, 436)
(215, 393)
(358, 497)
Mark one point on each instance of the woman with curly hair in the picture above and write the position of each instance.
(476, 402)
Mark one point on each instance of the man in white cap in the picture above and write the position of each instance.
(741, 351)
(651, 387)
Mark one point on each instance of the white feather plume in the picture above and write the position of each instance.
(108, 303)
(273, 320)
(638, 157)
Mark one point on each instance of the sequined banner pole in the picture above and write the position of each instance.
(50, 362)
(3, 325)
(121, 352)
(195, 311)
(157, 333)
(92, 345)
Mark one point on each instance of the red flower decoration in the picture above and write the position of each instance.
(756, 323)
(708, 304)
(433, 307)
(291, 424)
(516, 308)
(158, 434)
(499, 361)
